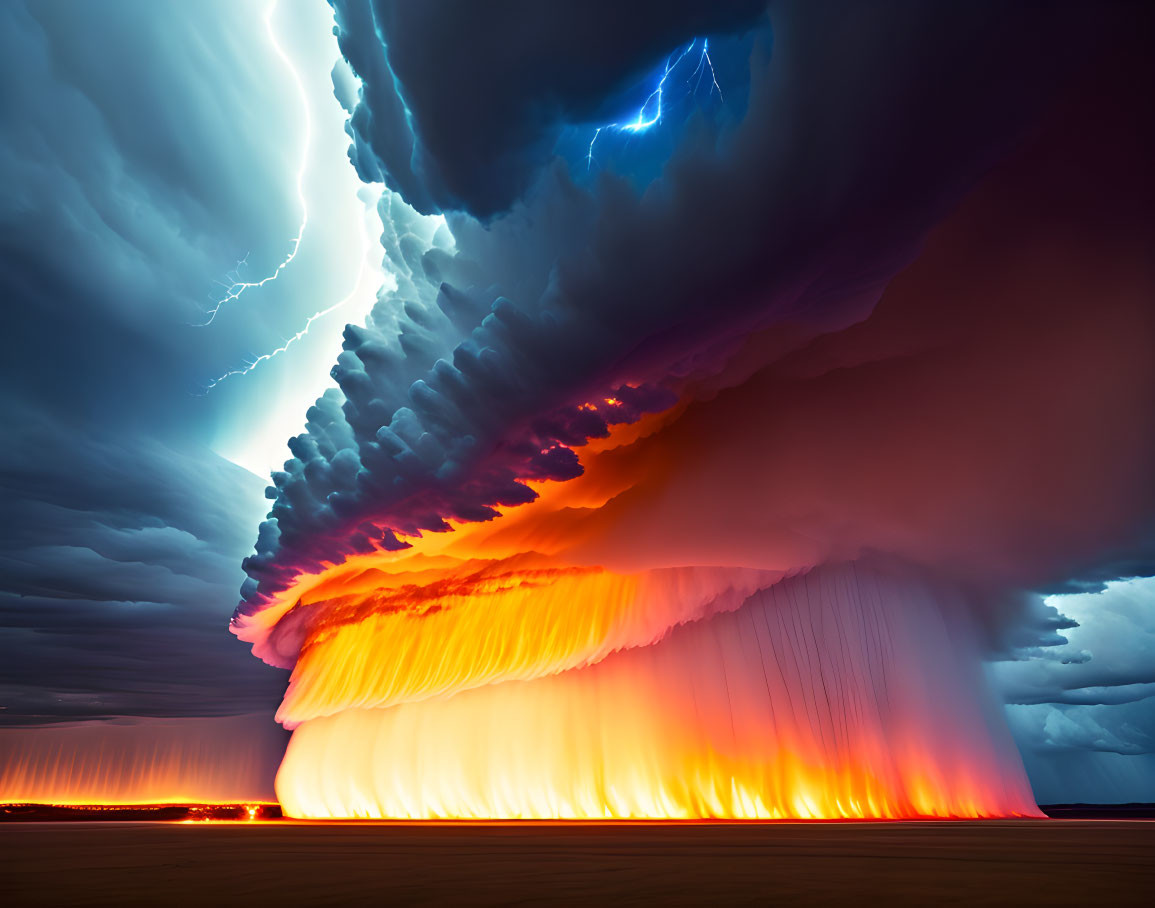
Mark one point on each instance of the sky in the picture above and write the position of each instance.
(831, 205)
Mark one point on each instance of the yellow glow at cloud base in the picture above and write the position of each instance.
(478, 623)
(827, 696)
(498, 672)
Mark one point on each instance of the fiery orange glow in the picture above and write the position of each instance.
(471, 625)
(499, 671)
(143, 761)
(811, 700)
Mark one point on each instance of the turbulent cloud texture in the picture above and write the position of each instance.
(1083, 708)
(796, 216)
(121, 529)
(901, 298)
(463, 103)
(892, 294)
(118, 563)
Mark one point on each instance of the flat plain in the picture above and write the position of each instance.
(1023, 862)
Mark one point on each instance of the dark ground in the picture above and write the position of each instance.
(39, 813)
(1023, 862)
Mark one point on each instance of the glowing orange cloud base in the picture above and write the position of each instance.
(832, 695)
(524, 668)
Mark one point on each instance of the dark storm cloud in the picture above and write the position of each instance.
(135, 171)
(1087, 776)
(118, 206)
(119, 559)
(1082, 707)
(1127, 729)
(1104, 658)
(866, 124)
(863, 126)
(462, 101)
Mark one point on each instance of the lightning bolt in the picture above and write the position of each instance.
(235, 286)
(364, 258)
(250, 365)
(709, 64)
(650, 113)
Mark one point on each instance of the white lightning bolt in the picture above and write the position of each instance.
(363, 257)
(705, 58)
(236, 286)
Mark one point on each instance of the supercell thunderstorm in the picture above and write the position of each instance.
(700, 482)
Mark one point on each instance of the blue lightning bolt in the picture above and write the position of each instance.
(650, 113)
(709, 64)
(235, 286)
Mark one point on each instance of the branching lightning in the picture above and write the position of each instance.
(364, 258)
(650, 113)
(701, 70)
(250, 365)
(236, 286)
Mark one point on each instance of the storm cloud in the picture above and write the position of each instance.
(892, 294)
(121, 529)
(798, 214)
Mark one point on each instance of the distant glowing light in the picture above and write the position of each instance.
(212, 766)
(650, 113)
(235, 286)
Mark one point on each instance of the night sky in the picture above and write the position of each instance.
(892, 260)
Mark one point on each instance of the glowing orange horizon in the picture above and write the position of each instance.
(164, 802)
(489, 821)
(139, 762)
